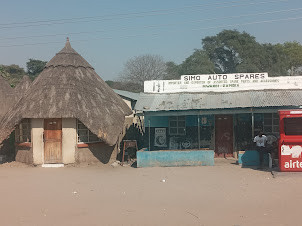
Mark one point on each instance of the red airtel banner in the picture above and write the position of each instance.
(290, 142)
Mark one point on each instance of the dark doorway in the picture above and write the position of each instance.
(52, 140)
(223, 135)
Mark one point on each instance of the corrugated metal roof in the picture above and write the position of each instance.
(195, 101)
(130, 95)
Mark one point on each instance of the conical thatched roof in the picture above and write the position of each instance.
(68, 87)
(22, 86)
(6, 96)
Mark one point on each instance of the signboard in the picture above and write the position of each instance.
(223, 83)
(160, 138)
(225, 77)
(291, 156)
(290, 142)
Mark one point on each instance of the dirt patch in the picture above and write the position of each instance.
(15, 164)
(224, 194)
(87, 165)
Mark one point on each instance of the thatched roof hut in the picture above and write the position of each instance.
(68, 87)
(21, 87)
(6, 96)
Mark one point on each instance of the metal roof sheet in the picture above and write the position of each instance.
(196, 101)
(130, 95)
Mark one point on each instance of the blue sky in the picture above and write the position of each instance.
(108, 33)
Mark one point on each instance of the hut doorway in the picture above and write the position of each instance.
(224, 135)
(52, 141)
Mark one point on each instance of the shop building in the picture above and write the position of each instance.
(215, 112)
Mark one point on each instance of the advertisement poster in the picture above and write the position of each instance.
(160, 139)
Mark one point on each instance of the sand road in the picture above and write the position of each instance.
(225, 194)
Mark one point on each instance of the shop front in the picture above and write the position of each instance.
(219, 113)
(224, 133)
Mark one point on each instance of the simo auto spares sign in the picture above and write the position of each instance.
(223, 82)
(224, 77)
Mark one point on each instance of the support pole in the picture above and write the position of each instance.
(198, 121)
(253, 123)
(149, 135)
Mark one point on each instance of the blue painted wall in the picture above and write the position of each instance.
(251, 158)
(175, 158)
(157, 121)
(191, 120)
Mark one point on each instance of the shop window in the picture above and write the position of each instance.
(293, 126)
(177, 125)
(85, 135)
(270, 123)
(23, 131)
(243, 131)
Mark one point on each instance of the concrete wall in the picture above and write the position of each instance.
(37, 126)
(96, 153)
(69, 140)
(251, 158)
(175, 158)
(128, 102)
(24, 154)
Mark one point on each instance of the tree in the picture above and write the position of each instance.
(198, 63)
(232, 51)
(12, 73)
(293, 51)
(35, 67)
(274, 60)
(143, 68)
(172, 71)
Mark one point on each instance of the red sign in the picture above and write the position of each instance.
(290, 143)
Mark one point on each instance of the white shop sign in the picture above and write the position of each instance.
(223, 83)
(224, 77)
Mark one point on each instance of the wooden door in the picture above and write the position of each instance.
(224, 135)
(52, 140)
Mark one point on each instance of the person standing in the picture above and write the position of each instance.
(260, 141)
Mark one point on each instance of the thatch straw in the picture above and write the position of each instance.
(22, 86)
(6, 96)
(68, 87)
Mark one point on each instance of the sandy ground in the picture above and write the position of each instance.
(225, 194)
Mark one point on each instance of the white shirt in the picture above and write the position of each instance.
(260, 141)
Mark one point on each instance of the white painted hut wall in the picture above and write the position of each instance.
(128, 102)
(129, 119)
(37, 126)
(69, 140)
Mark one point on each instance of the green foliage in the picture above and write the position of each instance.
(110, 83)
(274, 60)
(232, 51)
(198, 63)
(293, 51)
(172, 71)
(35, 67)
(12, 74)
